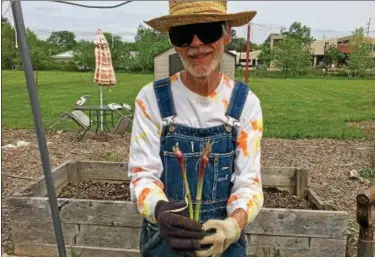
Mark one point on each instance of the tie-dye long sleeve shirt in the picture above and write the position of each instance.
(145, 165)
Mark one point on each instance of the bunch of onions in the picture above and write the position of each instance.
(204, 159)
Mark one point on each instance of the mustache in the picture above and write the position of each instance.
(197, 51)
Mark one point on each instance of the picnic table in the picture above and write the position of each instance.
(95, 112)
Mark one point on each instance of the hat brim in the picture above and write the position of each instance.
(164, 23)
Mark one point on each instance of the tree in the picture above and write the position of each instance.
(8, 44)
(360, 49)
(300, 33)
(292, 54)
(112, 40)
(84, 54)
(148, 43)
(332, 55)
(64, 39)
(239, 44)
(266, 54)
(145, 35)
(291, 57)
(39, 54)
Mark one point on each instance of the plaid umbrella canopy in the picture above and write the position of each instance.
(104, 72)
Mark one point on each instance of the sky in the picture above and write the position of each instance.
(327, 19)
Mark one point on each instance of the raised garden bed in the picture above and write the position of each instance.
(99, 220)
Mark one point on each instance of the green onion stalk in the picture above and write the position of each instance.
(202, 167)
(180, 158)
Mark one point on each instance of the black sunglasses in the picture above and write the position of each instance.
(208, 33)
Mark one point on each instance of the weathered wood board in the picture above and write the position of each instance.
(112, 228)
(293, 180)
(286, 222)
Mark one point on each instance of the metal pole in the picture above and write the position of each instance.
(101, 106)
(247, 54)
(29, 76)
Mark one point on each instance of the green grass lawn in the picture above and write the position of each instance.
(292, 108)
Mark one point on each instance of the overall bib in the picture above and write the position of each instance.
(217, 177)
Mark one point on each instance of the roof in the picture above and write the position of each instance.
(169, 48)
(64, 55)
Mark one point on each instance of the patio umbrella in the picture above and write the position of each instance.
(104, 72)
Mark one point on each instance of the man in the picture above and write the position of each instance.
(196, 105)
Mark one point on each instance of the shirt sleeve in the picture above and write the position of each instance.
(247, 190)
(144, 165)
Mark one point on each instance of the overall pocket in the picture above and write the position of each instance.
(149, 240)
(223, 168)
(174, 181)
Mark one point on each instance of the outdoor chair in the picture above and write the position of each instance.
(125, 121)
(79, 117)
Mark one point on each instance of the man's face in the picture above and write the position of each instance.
(201, 59)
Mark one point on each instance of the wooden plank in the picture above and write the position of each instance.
(280, 241)
(277, 246)
(40, 232)
(274, 177)
(73, 173)
(50, 250)
(328, 247)
(98, 171)
(80, 211)
(38, 188)
(306, 223)
(59, 188)
(315, 199)
(109, 236)
(302, 182)
(286, 222)
(325, 248)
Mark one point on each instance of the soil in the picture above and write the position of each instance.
(329, 162)
(97, 191)
(273, 198)
(367, 126)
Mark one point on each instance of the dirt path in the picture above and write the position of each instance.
(329, 162)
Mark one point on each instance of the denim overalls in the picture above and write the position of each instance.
(217, 178)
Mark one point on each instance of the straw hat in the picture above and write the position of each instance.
(183, 12)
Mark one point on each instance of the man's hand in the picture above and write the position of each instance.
(180, 232)
(227, 232)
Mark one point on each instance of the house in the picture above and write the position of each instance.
(253, 59)
(168, 63)
(66, 56)
(320, 46)
(274, 39)
(342, 43)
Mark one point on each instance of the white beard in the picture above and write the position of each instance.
(207, 70)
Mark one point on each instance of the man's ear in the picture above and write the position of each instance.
(228, 35)
(176, 49)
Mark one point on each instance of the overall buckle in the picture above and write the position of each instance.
(172, 125)
(229, 124)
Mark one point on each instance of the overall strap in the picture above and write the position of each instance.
(164, 97)
(237, 100)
